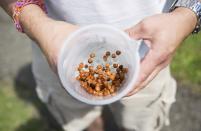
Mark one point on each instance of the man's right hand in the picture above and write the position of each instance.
(48, 33)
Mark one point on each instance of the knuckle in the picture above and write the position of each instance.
(143, 26)
(143, 77)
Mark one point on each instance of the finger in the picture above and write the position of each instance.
(155, 73)
(153, 59)
(134, 32)
(147, 66)
(141, 86)
(150, 78)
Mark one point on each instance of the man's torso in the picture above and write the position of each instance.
(119, 13)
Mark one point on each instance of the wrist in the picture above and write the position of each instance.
(34, 21)
(186, 20)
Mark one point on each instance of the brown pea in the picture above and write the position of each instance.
(82, 78)
(104, 77)
(107, 65)
(116, 83)
(78, 78)
(109, 86)
(100, 93)
(95, 93)
(107, 70)
(118, 70)
(125, 70)
(82, 74)
(99, 67)
(90, 90)
(111, 90)
(105, 83)
(83, 84)
(96, 71)
(81, 65)
(113, 55)
(117, 76)
(85, 66)
(115, 65)
(79, 68)
(100, 72)
(89, 80)
(92, 85)
(122, 76)
(108, 79)
(90, 60)
(97, 88)
(121, 67)
(92, 77)
(103, 69)
(91, 68)
(108, 73)
(99, 81)
(85, 74)
(105, 58)
(112, 76)
(107, 53)
(100, 76)
(118, 52)
(106, 92)
(92, 55)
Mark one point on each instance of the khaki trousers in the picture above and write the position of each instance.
(145, 111)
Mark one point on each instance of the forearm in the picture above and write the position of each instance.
(31, 17)
(42, 29)
(49, 34)
(35, 23)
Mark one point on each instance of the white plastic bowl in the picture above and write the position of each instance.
(98, 38)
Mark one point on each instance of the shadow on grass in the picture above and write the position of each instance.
(25, 88)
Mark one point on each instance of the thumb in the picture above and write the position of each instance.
(134, 32)
(139, 31)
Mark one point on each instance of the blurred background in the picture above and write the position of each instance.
(21, 110)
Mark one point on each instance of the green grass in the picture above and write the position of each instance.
(186, 65)
(13, 111)
(17, 114)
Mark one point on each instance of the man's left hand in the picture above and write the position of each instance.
(163, 33)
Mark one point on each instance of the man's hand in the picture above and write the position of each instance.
(163, 33)
(48, 33)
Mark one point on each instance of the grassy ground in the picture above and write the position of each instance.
(186, 65)
(17, 114)
(13, 111)
(21, 110)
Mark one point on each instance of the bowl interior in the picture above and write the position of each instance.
(98, 40)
